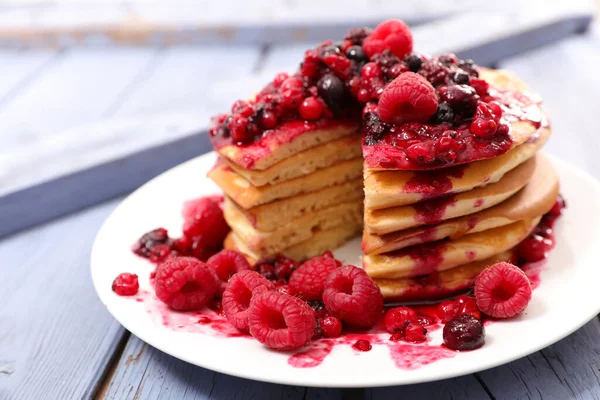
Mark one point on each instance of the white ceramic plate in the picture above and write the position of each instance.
(567, 298)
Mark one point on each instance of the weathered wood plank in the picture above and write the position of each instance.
(56, 338)
(146, 373)
(466, 387)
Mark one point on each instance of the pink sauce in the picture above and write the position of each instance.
(433, 183)
(432, 211)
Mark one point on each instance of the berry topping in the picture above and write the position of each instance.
(393, 35)
(331, 327)
(126, 284)
(357, 35)
(397, 318)
(308, 281)
(149, 240)
(352, 296)
(463, 304)
(280, 321)
(238, 294)
(203, 218)
(534, 248)
(311, 108)
(333, 91)
(502, 290)
(356, 53)
(558, 207)
(414, 332)
(408, 98)
(284, 267)
(225, 264)
(185, 283)
(464, 332)
(362, 345)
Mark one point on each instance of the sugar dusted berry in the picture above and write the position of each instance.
(126, 284)
(393, 35)
(397, 318)
(238, 294)
(464, 332)
(352, 296)
(280, 321)
(185, 283)
(308, 281)
(408, 98)
(225, 264)
(502, 290)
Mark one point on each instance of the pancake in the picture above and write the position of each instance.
(535, 199)
(316, 245)
(433, 211)
(445, 254)
(438, 285)
(298, 230)
(289, 138)
(385, 189)
(270, 216)
(521, 112)
(248, 196)
(303, 163)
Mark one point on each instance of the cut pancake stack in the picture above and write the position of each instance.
(428, 234)
(297, 198)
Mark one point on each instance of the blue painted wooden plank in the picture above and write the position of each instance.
(56, 337)
(465, 387)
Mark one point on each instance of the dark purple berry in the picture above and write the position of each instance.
(356, 53)
(460, 77)
(357, 35)
(333, 91)
(464, 332)
(444, 113)
(462, 98)
(331, 49)
(413, 62)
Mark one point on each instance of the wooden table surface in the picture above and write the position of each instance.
(57, 341)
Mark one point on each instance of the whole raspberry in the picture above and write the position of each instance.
(393, 35)
(226, 263)
(409, 97)
(204, 218)
(352, 296)
(414, 332)
(308, 281)
(185, 283)
(126, 284)
(280, 321)
(502, 290)
(238, 294)
(397, 318)
(331, 327)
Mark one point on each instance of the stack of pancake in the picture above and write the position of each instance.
(297, 196)
(428, 234)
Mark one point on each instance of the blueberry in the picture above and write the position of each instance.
(414, 62)
(460, 77)
(444, 113)
(331, 49)
(356, 53)
(333, 91)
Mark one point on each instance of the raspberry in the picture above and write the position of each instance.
(502, 290)
(414, 332)
(126, 284)
(185, 283)
(308, 280)
(464, 332)
(397, 318)
(534, 248)
(352, 296)
(238, 294)
(280, 321)
(393, 35)
(409, 97)
(203, 217)
(225, 264)
(331, 327)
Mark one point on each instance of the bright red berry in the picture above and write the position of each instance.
(558, 207)
(480, 86)
(362, 345)
(159, 253)
(393, 35)
(331, 327)
(185, 283)
(414, 332)
(311, 108)
(291, 98)
(467, 305)
(243, 108)
(308, 281)
(409, 97)
(502, 290)
(238, 294)
(352, 296)
(126, 284)
(225, 264)
(397, 318)
(290, 83)
(534, 248)
(280, 321)
(280, 78)
(204, 218)
(268, 120)
(446, 310)
(370, 70)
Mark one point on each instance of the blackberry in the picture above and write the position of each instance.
(444, 113)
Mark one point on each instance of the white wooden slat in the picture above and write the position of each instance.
(75, 89)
